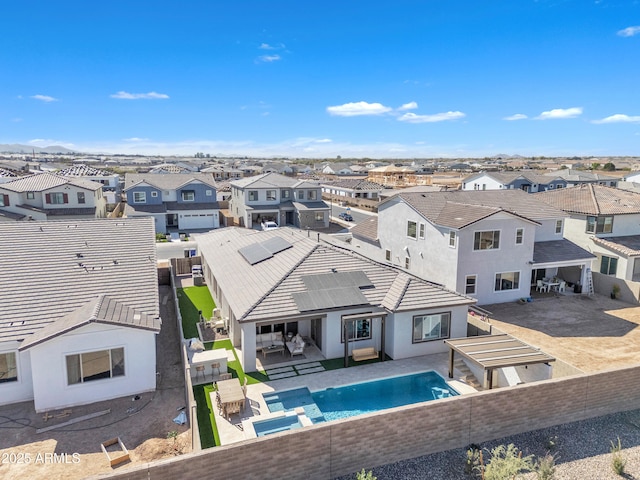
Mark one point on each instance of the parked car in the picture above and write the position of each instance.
(346, 217)
(269, 225)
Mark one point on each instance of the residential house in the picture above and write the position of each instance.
(177, 201)
(110, 181)
(605, 221)
(491, 245)
(79, 311)
(580, 177)
(352, 188)
(529, 182)
(223, 172)
(47, 196)
(392, 176)
(337, 168)
(283, 281)
(275, 197)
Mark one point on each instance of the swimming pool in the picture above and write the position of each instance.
(275, 425)
(360, 398)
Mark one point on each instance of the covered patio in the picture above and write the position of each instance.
(560, 266)
(493, 352)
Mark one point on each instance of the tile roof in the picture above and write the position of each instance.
(508, 177)
(266, 180)
(459, 208)
(628, 245)
(267, 286)
(571, 175)
(367, 230)
(591, 199)
(559, 251)
(86, 211)
(40, 182)
(355, 184)
(167, 181)
(58, 266)
(311, 206)
(83, 171)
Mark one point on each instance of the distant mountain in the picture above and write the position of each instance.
(17, 148)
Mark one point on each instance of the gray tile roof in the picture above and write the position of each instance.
(628, 246)
(83, 171)
(357, 184)
(508, 177)
(101, 309)
(571, 175)
(56, 267)
(273, 180)
(367, 230)
(40, 182)
(457, 209)
(11, 215)
(133, 209)
(267, 287)
(591, 199)
(167, 181)
(84, 211)
(311, 206)
(559, 251)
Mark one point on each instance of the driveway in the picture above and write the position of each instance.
(591, 333)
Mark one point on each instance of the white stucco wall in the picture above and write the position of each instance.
(22, 389)
(483, 182)
(49, 371)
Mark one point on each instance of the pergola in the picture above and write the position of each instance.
(495, 351)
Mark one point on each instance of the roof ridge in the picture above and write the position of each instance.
(401, 277)
(593, 197)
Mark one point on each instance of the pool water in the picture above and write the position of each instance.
(360, 398)
(275, 425)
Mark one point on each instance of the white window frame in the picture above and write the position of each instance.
(435, 324)
(599, 227)
(363, 331)
(6, 367)
(154, 194)
(407, 262)
(559, 225)
(452, 238)
(285, 194)
(480, 232)
(208, 193)
(139, 197)
(300, 194)
(515, 281)
(387, 255)
(473, 285)
(319, 217)
(253, 195)
(519, 236)
(271, 196)
(82, 379)
(185, 194)
(421, 230)
(312, 195)
(31, 195)
(415, 229)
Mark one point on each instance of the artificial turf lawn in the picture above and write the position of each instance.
(191, 300)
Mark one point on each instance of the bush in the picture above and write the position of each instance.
(505, 463)
(618, 462)
(361, 475)
(546, 467)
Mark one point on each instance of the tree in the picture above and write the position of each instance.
(595, 166)
(609, 167)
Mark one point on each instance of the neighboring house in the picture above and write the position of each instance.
(172, 168)
(352, 188)
(7, 175)
(274, 197)
(177, 201)
(605, 221)
(392, 176)
(110, 181)
(633, 177)
(277, 167)
(79, 311)
(47, 196)
(491, 245)
(223, 172)
(337, 169)
(580, 177)
(283, 281)
(529, 182)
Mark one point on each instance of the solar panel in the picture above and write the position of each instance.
(338, 279)
(255, 253)
(276, 245)
(329, 298)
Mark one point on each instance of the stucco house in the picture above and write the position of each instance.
(79, 311)
(529, 182)
(176, 201)
(283, 281)
(110, 181)
(582, 177)
(275, 197)
(352, 188)
(47, 196)
(491, 245)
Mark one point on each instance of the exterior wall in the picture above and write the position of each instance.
(484, 182)
(308, 219)
(22, 389)
(149, 199)
(546, 231)
(200, 193)
(399, 339)
(50, 372)
(407, 432)
(332, 346)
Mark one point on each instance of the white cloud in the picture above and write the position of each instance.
(517, 116)
(44, 98)
(353, 109)
(436, 117)
(324, 140)
(122, 95)
(45, 142)
(560, 113)
(269, 58)
(408, 106)
(266, 46)
(619, 118)
(136, 139)
(629, 31)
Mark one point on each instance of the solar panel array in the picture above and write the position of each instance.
(260, 251)
(322, 281)
(332, 290)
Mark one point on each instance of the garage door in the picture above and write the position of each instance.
(188, 221)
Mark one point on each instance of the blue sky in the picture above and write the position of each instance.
(377, 79)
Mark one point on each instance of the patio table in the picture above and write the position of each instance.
(551, 285)
(231, 395)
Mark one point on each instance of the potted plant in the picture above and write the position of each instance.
(615, 291)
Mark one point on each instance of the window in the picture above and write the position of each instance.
(358, 329)
(608, 265)
(154, 194)
(407, 262)
(208, 193)
(412, 229)
(85, 367)
(600, 224)
(487, 240)
(470, 284)
(452, 239)
(387, 255)
(519, 236)
(421, 231)
(4, 200)
(558, 226)
(188, 195)
(81, 197)
(313, 195)
(56, 198)
(285, 194)
(253, 195)
(319, 217)
(431, 327)
(31, 195)
(8, 369)
(139, 197)
(271, 195)
(300, 194)
(507, 281)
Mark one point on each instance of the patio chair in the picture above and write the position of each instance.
(562, 286)
(541, 287)
(215, 366)
(226, 376)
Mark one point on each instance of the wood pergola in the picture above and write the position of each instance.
(492, 352)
